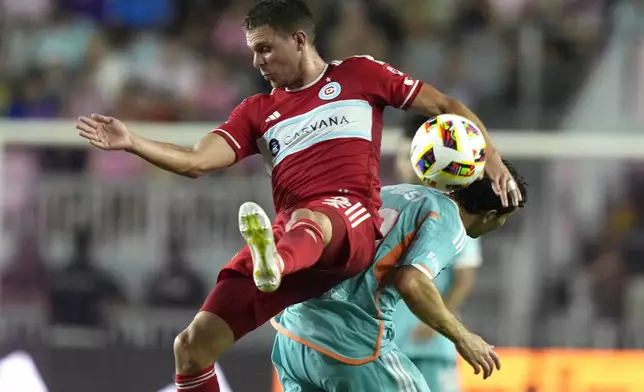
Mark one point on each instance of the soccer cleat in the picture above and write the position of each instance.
(256, 229)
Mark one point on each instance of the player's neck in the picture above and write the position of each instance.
(312, 68)
(466, 218)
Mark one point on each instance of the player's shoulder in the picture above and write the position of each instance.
(421, 196)
(256, 106)
(417, 204)
(256, 100)
(362, 62)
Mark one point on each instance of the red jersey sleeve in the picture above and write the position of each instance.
(391, 86)
(239, 131)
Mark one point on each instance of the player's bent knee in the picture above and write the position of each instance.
(202, 343)
(318, 217)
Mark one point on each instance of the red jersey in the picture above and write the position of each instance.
(322, 139)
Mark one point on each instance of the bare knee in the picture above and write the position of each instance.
(321, 219)
(202, 343)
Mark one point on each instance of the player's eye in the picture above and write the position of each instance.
(263, 49)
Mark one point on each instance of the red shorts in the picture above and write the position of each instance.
(244, 308)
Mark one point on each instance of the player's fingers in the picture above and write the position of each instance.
(475, 366)
(490, 362)
(516, 197)
(503, 192)
(495, 186)
(496, 359)
(85, 128)
(101, 118)
(88, 121)
(88, 136)
(486, 368)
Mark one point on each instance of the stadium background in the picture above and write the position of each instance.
(103, 259)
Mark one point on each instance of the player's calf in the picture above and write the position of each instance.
(197, 348)
(307, 234)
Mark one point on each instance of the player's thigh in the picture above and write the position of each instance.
(352, 244)
(235, 296)
(398, 373)
(441, 376)
(303, 368)
(234, 299)
(290, 361)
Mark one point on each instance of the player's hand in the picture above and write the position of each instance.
(422, 333)
(502, 182)
(104, 132)
(479, 354)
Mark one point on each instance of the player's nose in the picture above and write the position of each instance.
(258, 61)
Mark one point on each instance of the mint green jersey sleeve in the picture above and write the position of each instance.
(437, 243)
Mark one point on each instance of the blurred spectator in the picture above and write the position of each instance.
(176, 285)
(355, 35)
(217, 94)
(139, 14)
(85, 97)
(63, 41)
(422, 57)
(25, 11)
(174, 71)
(608, 279)
(93, 9)
(109, 66)
(32, 100)
(227, 36)
(454, 80)
(25, 279)
(80, 292)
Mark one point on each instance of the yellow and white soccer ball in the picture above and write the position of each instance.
(448, 152)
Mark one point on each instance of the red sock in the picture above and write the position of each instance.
(301, 247)
(203, 381)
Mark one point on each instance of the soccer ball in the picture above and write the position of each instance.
(448, 152)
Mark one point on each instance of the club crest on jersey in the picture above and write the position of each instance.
(330, 91)
(274, 147)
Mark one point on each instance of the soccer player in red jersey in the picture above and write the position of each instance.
(319, 132)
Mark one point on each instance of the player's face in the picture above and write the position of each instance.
(487, 223)
(277, 56)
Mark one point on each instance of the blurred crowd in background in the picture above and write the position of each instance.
(187, 60)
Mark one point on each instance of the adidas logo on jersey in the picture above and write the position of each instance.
(273, 116)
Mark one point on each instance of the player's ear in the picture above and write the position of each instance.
(300, 39)
(488, 216)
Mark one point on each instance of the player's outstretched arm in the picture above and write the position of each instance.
(108, 133)
(432, 102)
(211, 153)
(424, 300)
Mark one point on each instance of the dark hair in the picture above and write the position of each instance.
(479, 198)
(284, 16)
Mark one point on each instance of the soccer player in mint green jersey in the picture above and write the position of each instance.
(344, 340)
(433, 354)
